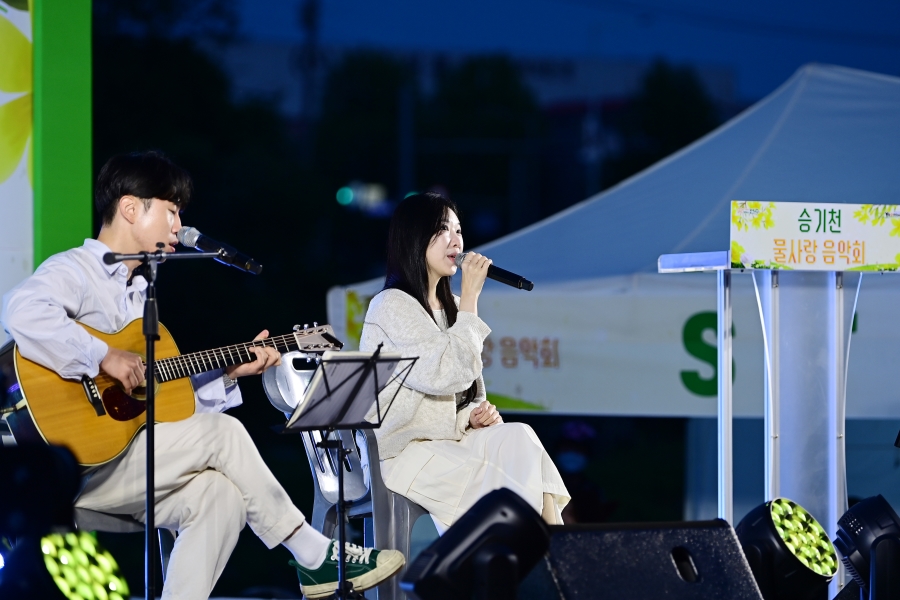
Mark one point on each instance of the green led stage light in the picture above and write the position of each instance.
(71, 566)
(788, 551)
(81, 569)
(803, 536)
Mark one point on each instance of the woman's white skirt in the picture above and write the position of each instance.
(446, 477)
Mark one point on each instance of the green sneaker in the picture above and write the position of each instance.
(365, 568)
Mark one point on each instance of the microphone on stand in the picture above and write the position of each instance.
(501, 275)
(192, 238)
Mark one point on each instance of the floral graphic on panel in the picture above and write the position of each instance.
(357, 305)
(15, 79)
(747, 214)
(879, 214)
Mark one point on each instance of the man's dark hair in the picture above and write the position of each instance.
(415, 222)
(144, 175)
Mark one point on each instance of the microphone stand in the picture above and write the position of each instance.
(152, 260)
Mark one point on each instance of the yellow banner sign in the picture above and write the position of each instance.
(808, 236)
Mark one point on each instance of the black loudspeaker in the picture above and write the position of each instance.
(851, 591)
(644, 561)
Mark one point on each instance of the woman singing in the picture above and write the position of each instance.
(442, 444)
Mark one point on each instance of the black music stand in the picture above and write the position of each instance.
(341, 393)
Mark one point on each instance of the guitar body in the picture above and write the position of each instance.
(94, 418)
(67, 412)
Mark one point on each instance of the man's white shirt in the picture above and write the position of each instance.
(76, 285)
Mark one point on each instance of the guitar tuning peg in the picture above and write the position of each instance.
(297, 327)
(315, 323)
(308, 359)
(306, 326)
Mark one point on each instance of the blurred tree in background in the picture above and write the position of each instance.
(358, 129)
(480, 136)
(671, 111)
(164, 92)
(167, 19)
(357, 139)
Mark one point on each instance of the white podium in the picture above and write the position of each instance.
(807, 260)
(806, 319)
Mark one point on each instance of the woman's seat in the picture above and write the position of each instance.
(389, 517)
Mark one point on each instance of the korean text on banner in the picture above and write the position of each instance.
(806, 236)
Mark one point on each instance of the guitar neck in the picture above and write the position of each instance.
(185, 365)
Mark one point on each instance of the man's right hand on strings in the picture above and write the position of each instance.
(126, 368)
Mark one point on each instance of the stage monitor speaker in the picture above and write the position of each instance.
(644, 561)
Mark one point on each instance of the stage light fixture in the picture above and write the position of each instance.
(789, 552)
(869, 532)
(81, 569)
(487, 552)
(71, 566)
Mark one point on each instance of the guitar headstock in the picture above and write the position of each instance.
(317, 338)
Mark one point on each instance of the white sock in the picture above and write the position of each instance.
(308, 546)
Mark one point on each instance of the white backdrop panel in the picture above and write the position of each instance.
(622, 348)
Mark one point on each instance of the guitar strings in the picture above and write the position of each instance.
(183, 365)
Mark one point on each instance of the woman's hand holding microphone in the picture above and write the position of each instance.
(474, 271)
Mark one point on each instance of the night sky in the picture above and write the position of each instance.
(763, 41)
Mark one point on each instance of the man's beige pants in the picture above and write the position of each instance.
(210, 480)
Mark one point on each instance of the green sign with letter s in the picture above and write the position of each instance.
(696, 346)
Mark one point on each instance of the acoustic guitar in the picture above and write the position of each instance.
(95, 418)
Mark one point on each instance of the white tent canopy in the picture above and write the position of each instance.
(829, 134)
(602, 333)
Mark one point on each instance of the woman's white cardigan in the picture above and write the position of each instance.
(449, 361)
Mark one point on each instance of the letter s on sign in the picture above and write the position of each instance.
(692, 336)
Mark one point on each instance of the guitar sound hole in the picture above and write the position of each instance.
(120, 406)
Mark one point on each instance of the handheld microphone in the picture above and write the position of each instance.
(192, 238)
(501, 275)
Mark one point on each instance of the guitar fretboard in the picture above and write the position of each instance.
(186, 365)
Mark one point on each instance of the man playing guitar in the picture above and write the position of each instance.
(210, 478)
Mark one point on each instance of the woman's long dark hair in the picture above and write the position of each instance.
(416, 220)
